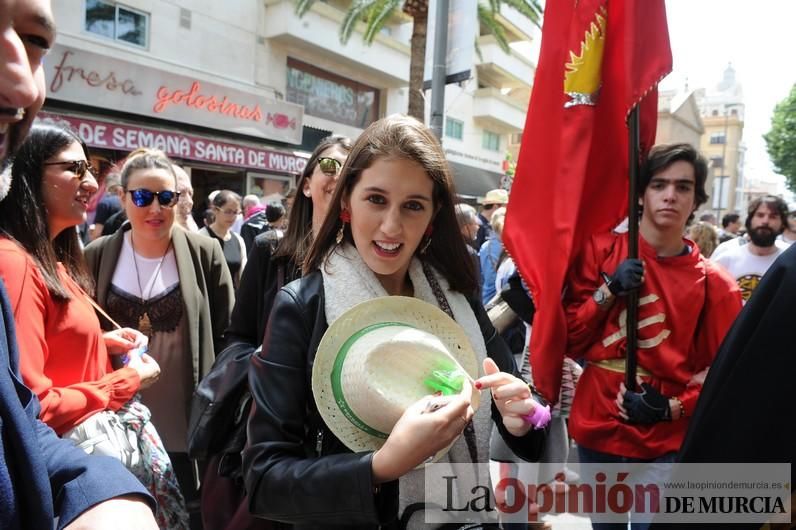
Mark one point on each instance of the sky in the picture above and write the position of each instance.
(758, 38)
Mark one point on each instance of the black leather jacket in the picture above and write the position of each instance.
(259, 283)
(285, 478)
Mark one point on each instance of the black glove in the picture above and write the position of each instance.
(649, 406)
(626, 277)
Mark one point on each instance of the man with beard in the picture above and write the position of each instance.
(748, 263)
(45, 482)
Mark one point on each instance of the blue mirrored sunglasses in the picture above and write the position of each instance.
(143, 197)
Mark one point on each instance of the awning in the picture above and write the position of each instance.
(473, 182)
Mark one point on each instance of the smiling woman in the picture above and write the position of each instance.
(390, 230)
(65, 354)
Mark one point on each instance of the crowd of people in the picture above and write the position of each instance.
(122, 323)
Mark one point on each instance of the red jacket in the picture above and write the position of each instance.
(62, 353)
(687, 305)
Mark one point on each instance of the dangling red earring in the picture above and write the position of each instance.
(345, 216)
(429, 230)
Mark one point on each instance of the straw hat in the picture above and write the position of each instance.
(380, 357)
(497, 196)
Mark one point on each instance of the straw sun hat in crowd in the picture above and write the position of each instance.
(380, 357)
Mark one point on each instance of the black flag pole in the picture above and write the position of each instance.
(632, 233)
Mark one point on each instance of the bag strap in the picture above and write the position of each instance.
(102, 311)
(437, 289)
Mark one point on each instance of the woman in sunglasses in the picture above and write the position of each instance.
(259, 280)
(172, 285)
(226, 207)
(265, 273)
(64, 350)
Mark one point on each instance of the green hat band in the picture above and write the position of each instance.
(337, 386)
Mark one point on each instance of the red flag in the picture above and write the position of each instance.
(598, 59)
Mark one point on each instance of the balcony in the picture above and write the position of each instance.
(518, 27)
(497, 112)
(500, 69)
(318, 33)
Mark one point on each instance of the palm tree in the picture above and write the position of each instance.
(376, 13)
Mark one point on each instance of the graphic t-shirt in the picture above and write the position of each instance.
(745, 267)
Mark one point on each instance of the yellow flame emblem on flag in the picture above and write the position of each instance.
(583, 77)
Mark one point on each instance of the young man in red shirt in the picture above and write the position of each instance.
(686, 306)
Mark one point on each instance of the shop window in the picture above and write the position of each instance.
(454, 128)
(332, 97)
(117, 22)
(490, 141)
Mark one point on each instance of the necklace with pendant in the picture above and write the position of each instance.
(144, 325)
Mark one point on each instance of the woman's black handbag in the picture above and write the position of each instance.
(220, 404)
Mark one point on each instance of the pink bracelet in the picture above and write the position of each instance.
(540, 416)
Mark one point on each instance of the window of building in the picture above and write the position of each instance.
(332, 97)
(454, 128)
(490, 141)
(516, 138)
(717, 138)
(117, 22)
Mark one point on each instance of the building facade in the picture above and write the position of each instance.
(485, 116)
(722, 109)
(679, 120)
(239, 93)
(152, 74)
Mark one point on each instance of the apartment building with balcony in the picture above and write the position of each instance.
(485, 116)
(240, 92)
(722, 109)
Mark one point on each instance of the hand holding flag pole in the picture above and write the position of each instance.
(632, 233)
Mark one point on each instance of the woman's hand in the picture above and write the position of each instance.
(425, 428)
(120, 341)
(148, 369)
(511, 395)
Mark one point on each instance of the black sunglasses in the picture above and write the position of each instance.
(78, 167)
(143, 197)
(330, 166)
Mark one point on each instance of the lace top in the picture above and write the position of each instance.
(164, 310)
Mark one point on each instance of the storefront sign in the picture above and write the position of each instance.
(329, 96)
(108, 135)
(95, 80)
